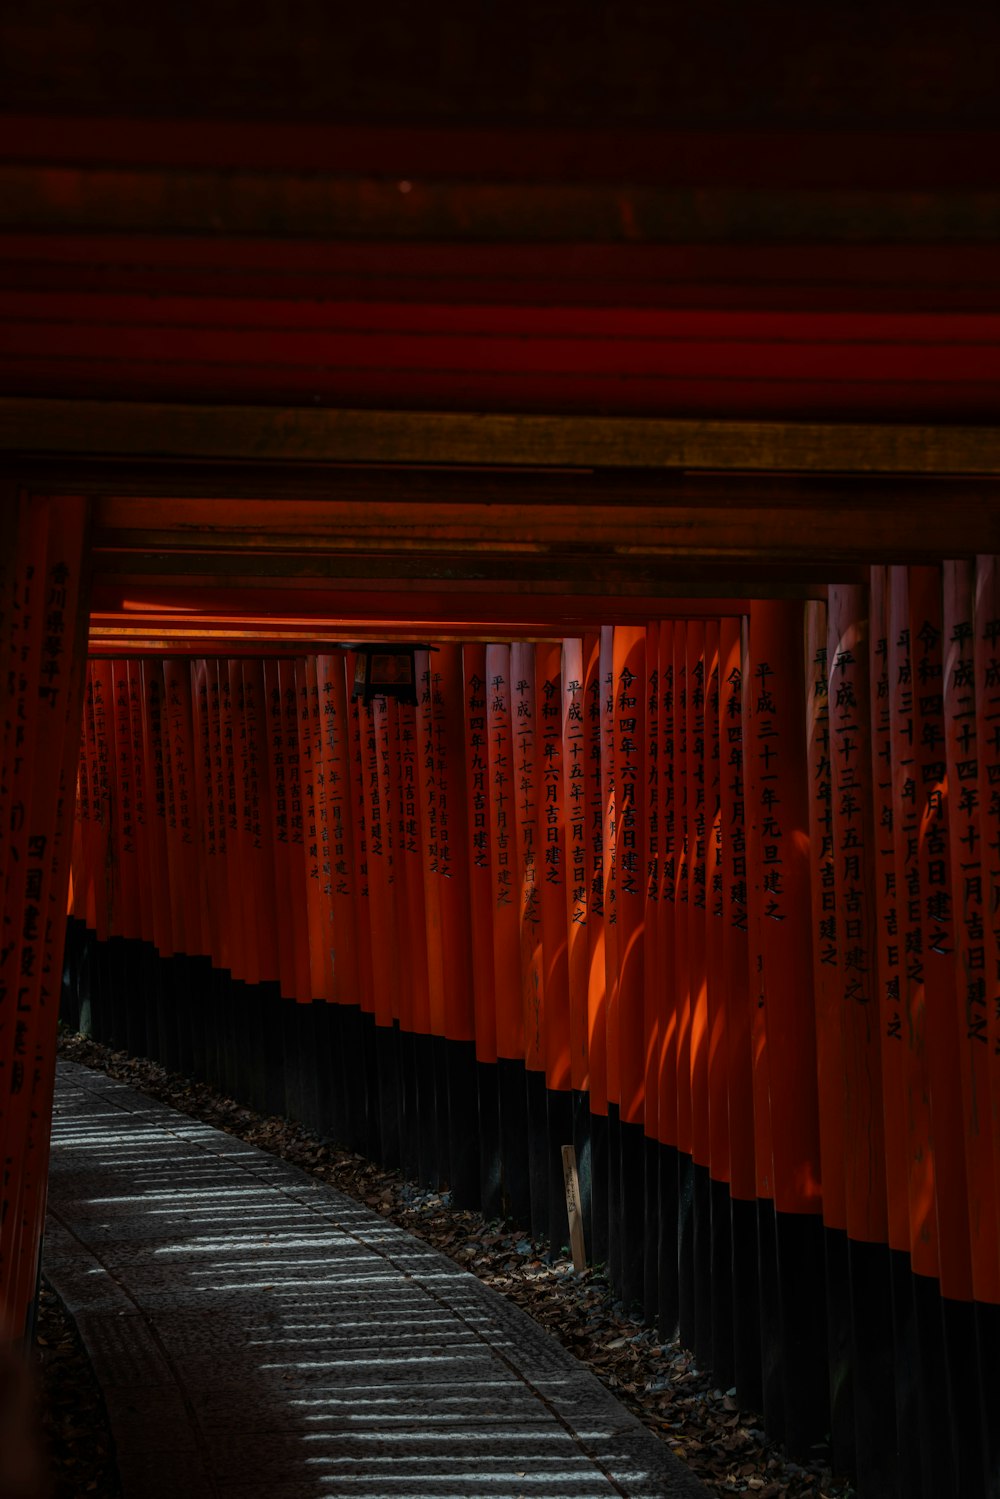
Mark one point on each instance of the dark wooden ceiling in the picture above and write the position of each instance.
(493, 291)
(686, 211)
(716, 64)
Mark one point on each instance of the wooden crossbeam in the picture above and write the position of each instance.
(302, 435)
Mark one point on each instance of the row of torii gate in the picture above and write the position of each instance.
(745, 960)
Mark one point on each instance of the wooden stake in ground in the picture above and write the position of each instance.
(572, 1183)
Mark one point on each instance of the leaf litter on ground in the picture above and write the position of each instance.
(75, 1429)
(660, 1382)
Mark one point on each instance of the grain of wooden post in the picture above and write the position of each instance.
(573, 1212)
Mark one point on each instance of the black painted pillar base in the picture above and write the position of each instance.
(614, 1200)
(368, 1059)
(937, 1470)
(961, 1363)
(226, 1008)
(86, 980)
(490, 1186)
(988, 1369)
(353, 1076)
(633, 1205)
(102, 1020)
(211, 1027)
(582, 1146)
(172, 1002)
(327, 1090)
(387, 1053)
(442, 1150)
(311, 1062)
(291, 1028)
(702, 1216)
(599, 1247)
(116, 1012)
(228, 1034)
(215, 1039)
(747, 1357)
(333, 1052)
(426, 1111)
(651, 1238)
(463, 1120)
(559, 1133)
(772, 1405)
(150, 984)
(514, 1181)
(802, 1320)
(840, 1350)
(409, 1143)
(185, 1002)
(100, 1015)
(69, 989)
(538, 1153)
(667, 1242)
(274, 1055)
(906, 1376)
(201, 982)
(876, 1443)
(250, 1059)
(135, 998)
(180, 1013)
(686, 1297)
(251, 1026)
(722, 1361)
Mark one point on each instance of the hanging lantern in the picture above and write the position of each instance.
(386, 670)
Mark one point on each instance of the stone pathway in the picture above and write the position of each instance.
(258, 1335)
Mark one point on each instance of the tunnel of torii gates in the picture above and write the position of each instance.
(706, 888)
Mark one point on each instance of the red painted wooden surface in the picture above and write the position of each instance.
(906, 827)
(360, 829)
(42, 641)
(502, 812)
(969, 913)
(698, 826)
(629, 669)
(524, 817)
(551, 750)
(716, 912)
(476, 725)
(597, 1035)
(667, 1126)
(682, 887)
(889, 911)
(454, 817)
(986, 658)
(784, 1029)
(849, 703)
(736, 950)
(339, 869)
(827, 918)
(933, 813)
(609, 844)
(578, 858)
(653, 999)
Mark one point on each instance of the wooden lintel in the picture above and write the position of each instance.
(96, 429)
(378, 207)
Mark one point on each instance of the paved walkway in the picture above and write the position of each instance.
(258, 1334)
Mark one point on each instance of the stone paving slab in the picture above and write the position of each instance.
(257, 1333)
